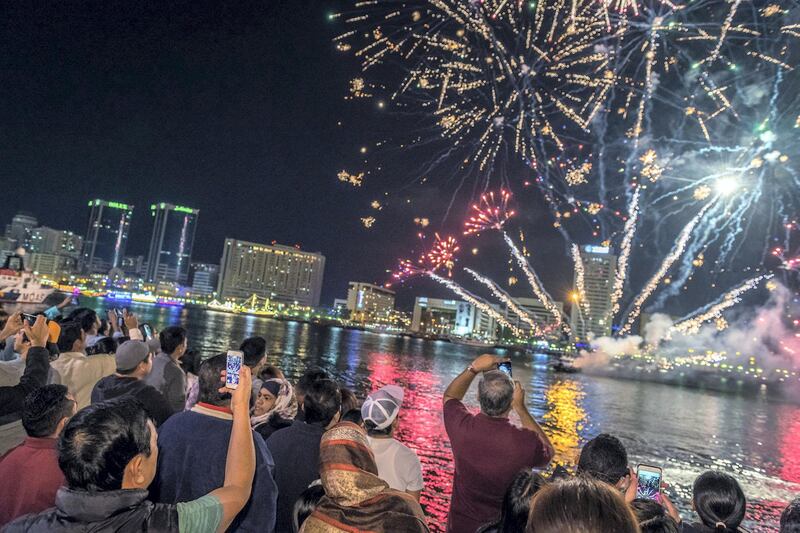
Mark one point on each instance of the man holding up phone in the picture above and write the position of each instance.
(488, 450)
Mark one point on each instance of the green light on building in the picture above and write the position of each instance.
(183, 209)
(118, 205)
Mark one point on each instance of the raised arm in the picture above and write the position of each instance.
(37, 365)
(240, 465)
(459, 386)
(528, 422)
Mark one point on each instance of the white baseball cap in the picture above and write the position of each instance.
(382, 406)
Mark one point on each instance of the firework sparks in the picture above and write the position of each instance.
(578, 175)
(442, 254)
(504, 297)
(353, 179)
(625, 253)
(368, 221)
(490, 213)
(583, 301)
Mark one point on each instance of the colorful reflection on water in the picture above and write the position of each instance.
(684, 431)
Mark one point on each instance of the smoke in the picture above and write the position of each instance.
(763, 335)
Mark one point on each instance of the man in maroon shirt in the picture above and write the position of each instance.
(488, 450)
(30, 471)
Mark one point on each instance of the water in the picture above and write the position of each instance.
(684, 431)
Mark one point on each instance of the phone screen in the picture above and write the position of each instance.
(233, 368)
(148, 331)
(120, 317)
(30, 319)
(505, 367)
(649, 486)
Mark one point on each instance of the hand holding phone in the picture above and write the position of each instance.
(649, 482)
(505, 367)
(233, 368)
(147, 332)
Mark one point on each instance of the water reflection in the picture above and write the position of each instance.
(685, 431)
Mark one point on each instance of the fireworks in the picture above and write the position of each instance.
(625, 253)
(490, 213)
(367, 222)
(353, 179)
(503, 296)
(579, 281)
(442, 254)
(578, 175)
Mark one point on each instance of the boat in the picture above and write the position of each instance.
(21, 286)
(564, 364)
(475, 343)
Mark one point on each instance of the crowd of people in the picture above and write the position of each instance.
(105, 427)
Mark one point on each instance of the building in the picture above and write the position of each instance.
(134, 265)
(536, 310)
(19, 230)
(170, 254)
(277, 272)
(106, 235)
(434, 316)
(594, 317)
(52, 265)
(365, 301)
(204, 278)
(44, 240)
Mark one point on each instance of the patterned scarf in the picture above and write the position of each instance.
(285, 404)
(356, 499)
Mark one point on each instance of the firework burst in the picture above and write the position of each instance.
(491, 212)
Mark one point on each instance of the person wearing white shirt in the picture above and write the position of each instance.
(398, 465)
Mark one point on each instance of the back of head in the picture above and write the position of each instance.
(652, 517)
(171, 339)
(719, 501)
(323, 401)
(349, 400)
(790, 518)
(100, 440)
(517, 501)
(191, 360)
(254, 349)
(44, 408)
(310, 376)
(580, 505)
(86, 317)
(604, 458)
(208, 379)
(102, 346)
(70, 332)
(305, 505)
(495, 392)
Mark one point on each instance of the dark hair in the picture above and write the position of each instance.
(44, 408)
(323, 400)
(349, 400)
(254, 349)
(70, 332)
(86, 317)
(604, 458)
(719, 501)
(354, 416)
(373, 431)
(103, 329)
(580, 505)
(310, 376)
(269, 372)
(209, 382)
(103, 345)
(171, 339)
(517, 501)
(790, 518)
(305, 505)
(652, 517)
(495, 392)
(191, 360)
(99, 442)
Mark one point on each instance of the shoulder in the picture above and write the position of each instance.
(404, 451)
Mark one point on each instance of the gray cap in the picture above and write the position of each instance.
(131, 353)
(382, 406)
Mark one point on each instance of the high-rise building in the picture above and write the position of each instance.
(106, 236)
(170, 254)
(19, 231)
(53, 265)
(44, 240)
(365, 301)
(599, 269)
(134, 265)
(281, 273)
(536, 310)
(204, 278)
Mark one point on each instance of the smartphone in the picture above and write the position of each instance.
(505, 367)
(233, 368)
(30, 319)
(147, 331)
(120, 317)
(649, 486)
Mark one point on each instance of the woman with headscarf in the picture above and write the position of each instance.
(276, 407)
(356, 499)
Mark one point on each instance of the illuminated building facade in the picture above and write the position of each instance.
(204, 278)
(599, 266)
(280, 273)
(19, 231)
(170, 254)
(434, 316)
(44, 240)
(106, 235)
(365, 301)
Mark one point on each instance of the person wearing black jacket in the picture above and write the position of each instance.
(134, 363)
(37, 364)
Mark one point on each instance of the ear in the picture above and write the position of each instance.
(61, 424)
(134, 475)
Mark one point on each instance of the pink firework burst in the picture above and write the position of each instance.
(442, 254)
(490, 213)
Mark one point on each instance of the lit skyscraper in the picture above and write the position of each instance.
(599, 266)
(170, 254)
(106, 236)
(19, 231)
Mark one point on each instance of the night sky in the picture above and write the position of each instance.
(234, 108)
